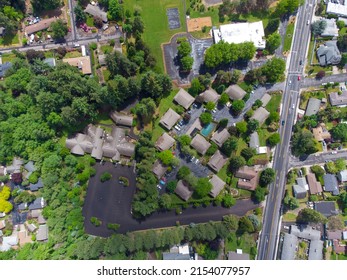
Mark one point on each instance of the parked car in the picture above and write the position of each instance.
(299, 78)
(177, 127)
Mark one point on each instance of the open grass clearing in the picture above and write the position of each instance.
(288, 37)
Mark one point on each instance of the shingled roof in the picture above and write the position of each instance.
(217, 185)
(169, 119)
(235, 92)
(220, 136)
(121, 119)
(217, 161)
(200, 144)
(164, 142)
(183, 190)
(184, 99)
(209, 95)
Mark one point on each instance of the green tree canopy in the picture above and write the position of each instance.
(303, 143)
(165, 157)
(236, 162)
(59, 29)
(267, 176)
(203, 187)
(308, 215)
(206, 118)
(274, 139)
(229, 146)
(339, 132)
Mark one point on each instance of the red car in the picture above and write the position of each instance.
(299, 78)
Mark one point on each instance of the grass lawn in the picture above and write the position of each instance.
(73, 54)
(244, 242)
(343, 31)
(106, 49)
(49, 54)
(274, 103)
(241, 144)
(305, 96)
(288, 37)
(8, 57)
(200, 35)
(153, 13)
(92, 56)
(263, 135)
(213, 13)
(223, 172)
(289, 217)
(90, 21)
(11, 39)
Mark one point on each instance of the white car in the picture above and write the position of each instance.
(293, 106)
(177, 128)
(214, 111)
(334, 152)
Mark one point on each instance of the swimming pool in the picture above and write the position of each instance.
(208, 129)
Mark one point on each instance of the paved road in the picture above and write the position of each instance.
(269, 235)
(311, 82)
(73, 22)
(318, 158)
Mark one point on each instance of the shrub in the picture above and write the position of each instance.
(95, 221)
(105, 177)
(124, 180)
(114, 227)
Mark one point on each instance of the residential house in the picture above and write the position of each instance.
(2, 224)
(265, 99)
(336, 9)
(15, 167)
(8, 242)
(31, 227)
(38, 203)
(34, 214)
(121, 119)
(169, 119)
(81, 62)
(183, 190)
(42, 233)
(194, 128)
(331, 184)
(254, 140)
(342, 176)
(299, 191)
(339, 100)
(96, 11)
(184, 99)
(3, 68)
(315, 186)
(316, 250)
(238, 255)
(290, 242)
(200, 144)
(331, 29)
(209, 95)
(217, 161)
(235, 92)
(164, 142)
(248, 178)
(326, 208)
(339, 248)
(159, 169)
(30, 168)
(180, 252)
(313, 106)
(217, 185)
(41, 25)
(261, 114)
(328, 54)
(220, 136)
(320, 133)
(50, 61)
(102, 59)
(35, 187)
(334, 234)
(41, 220)
(301, 181)
(98, 143)
(3, 171)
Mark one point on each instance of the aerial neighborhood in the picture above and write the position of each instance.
(214, 130)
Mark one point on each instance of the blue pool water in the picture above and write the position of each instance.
(207, 129)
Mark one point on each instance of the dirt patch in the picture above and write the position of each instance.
(196, 24)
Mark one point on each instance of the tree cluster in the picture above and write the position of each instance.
(185, 59)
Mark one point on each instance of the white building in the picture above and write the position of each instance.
(241, 32)
(337, 9)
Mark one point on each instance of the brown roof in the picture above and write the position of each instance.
(42, 25)
(200, 144)
(196, 125)
(159, 169)
(183, 190)
(184, 99)
(248, 178)
(320, 133)
(337, 235)
(2, 170)
(169, 119)
(209, 95)
(235, 92)
(164, 142)
(339, 248)
(217, 185)
(265, 99)
(121, 119)
(220, 136)
(217, 161)
(82, 63)
(313, 184)
(261, 114)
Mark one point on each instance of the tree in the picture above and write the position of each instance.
(145, 109)
(229, 146)
(273, 69)
(195, 87)
(223, 123)
(331, 168)
(320, 74)
(335, 223)
(228, 201)
(318, 27)
(231, 222)
(248, 153)
(206, 118)
(105, 176)
(274, 139)
(210, 105)
(224, 99)
(267, 176)
(203, 187)
(339, 132)
(39, 5)
(252, 125)
(238, 106)
(165, 201)
(259, 194)
(273, 42)
(80, 14)
(303, 143)
(171, 186)
(59, 29)
(273, 117)
(290, 202)
(184, 49)
(184, 140)
(308, 215)
(241, 127)
(317, 170)
(212, 149)
(33, 55)
(340, 24)
(186, 63)
(98, 23)
(235, 163)
(342, 42)
(115, 10)
(245, 225)
(138, 25)
(165, 157)
(340, 164)
(5, 192)
(5, 206)
(183, 172)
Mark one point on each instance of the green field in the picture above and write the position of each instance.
(244, 242)
(289, 37)
(153, 13)
(274, 103)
